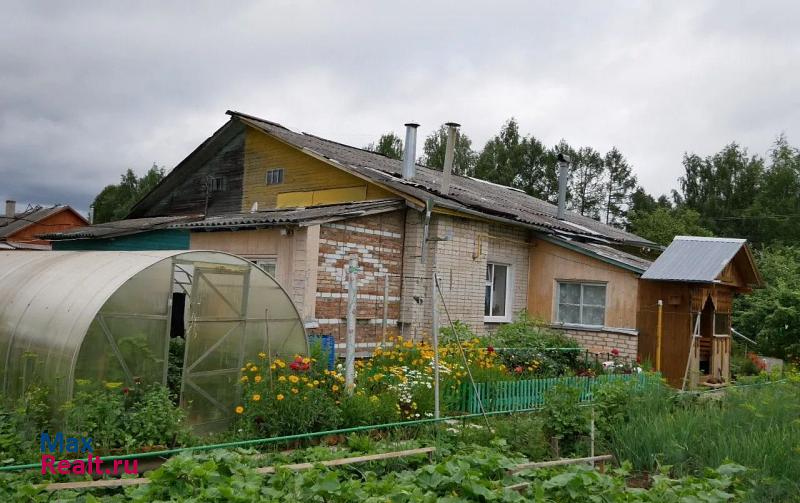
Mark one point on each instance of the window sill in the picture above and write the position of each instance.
(497, 319)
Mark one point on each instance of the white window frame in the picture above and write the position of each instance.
(508, 316)
(271, 260)
(274, 176)
(580, 310)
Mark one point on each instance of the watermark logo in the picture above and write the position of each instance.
(60, 444)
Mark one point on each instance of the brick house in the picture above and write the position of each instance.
(300, 206)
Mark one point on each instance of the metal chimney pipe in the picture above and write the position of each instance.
(11, 208)
(410, 151)
(449, 155)
(563, 170)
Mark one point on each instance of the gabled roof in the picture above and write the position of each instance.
(11, 226)
(466, 195)
(697, 259)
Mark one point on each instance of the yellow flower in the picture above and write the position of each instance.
(310, 385)
(113, 385)
(239, 409)
(279, 397)
(280, 363)
(294, 379)
(256, 397)
(253, 369)
(306, 360)
(273, 367)
(262, 355)
(304, 379)
(316, 383)
(334, 388)
(282, 378)
(257, 378)
(295, 391)
(244, 379)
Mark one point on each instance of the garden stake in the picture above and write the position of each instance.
(350, 357)
(463, 356)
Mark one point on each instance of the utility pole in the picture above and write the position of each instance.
(350, 343)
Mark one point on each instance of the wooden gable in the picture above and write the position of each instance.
(305, 180)
(741, 272)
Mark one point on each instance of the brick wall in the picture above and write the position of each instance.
(599, 341)
(377, 242)
(461, 261)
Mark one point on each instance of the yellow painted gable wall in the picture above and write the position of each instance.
(306, 180)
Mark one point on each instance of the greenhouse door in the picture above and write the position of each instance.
(215, 342)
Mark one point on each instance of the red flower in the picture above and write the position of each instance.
(490, 349)
(518, 370)
(615, 352)
(638, 359)
(125, 390)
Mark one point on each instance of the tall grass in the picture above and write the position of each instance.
(758, 427)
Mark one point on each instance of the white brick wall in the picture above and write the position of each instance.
(461, 264)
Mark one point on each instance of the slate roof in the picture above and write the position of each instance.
(297, 216)
(468, 195)
(696, 259)
(10, 226)
(118, 228)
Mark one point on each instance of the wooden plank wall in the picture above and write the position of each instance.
(184, 192)
(550, 263)
(302, 173)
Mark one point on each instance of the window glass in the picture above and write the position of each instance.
(497, 296)
(274, 176)
(270, 265)
(582, 303)
(499, 287)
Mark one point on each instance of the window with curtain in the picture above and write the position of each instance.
(582, 303)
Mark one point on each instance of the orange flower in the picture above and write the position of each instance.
(279, 397)
(256, 397)
(239, 409)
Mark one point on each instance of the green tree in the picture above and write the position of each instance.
(620, 184)
(587, 183)
(388, 144)
(721, 188)
(503, 157)
(774, 215)
(434, 148)
(771, 315)
(663, 224)
(115, 201)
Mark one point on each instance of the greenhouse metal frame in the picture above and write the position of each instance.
(107, 317)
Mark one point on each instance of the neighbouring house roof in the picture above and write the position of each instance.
(292, 216)
(603, 253)
(467, 195)
(118, 228)
(698, 259)
(11, 226)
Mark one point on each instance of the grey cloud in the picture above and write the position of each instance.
(89, 89)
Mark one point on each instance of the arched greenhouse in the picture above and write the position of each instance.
(110, 317)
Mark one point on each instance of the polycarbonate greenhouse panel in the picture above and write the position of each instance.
(104, 317)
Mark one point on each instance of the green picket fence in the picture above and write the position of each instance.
(505, 396)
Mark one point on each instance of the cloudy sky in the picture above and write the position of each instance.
(89, 89)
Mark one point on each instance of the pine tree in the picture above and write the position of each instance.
(620, 183)
(587, 183)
